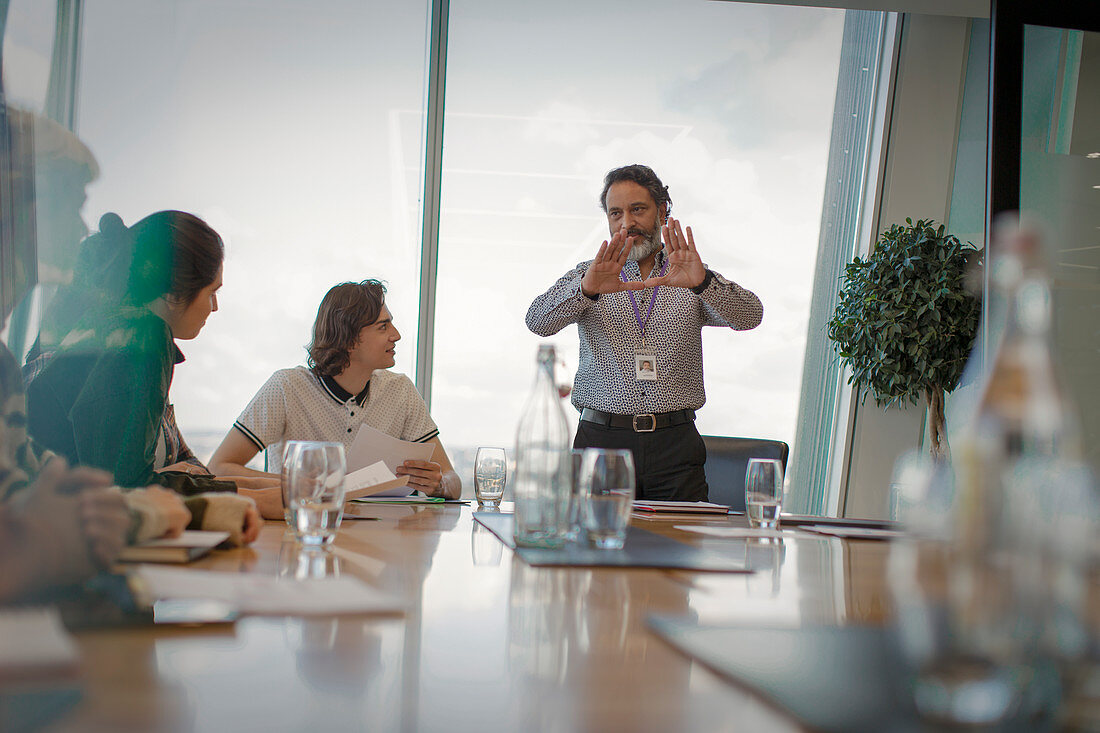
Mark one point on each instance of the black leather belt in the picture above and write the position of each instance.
(645, 423)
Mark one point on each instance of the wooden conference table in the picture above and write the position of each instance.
(487, 643)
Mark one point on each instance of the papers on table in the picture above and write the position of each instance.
(852, 533)
(856, 533)
(680, 507)
(732, 532)
(191, 544)
(34, 644)
(372, 459)
(265, 595)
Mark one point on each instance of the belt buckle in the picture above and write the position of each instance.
(652, 423)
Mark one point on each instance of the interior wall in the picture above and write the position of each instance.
(920, 164)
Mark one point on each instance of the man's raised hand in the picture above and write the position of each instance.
(685, 269)
(602, 275)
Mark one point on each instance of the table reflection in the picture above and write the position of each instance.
(485, 548)
(297, 562)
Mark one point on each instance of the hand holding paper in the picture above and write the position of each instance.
(373, 459)
(374, 480)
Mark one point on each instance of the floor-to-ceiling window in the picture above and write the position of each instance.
(295, 130)
(730, 103)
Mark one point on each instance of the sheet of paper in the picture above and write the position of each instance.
(682, 507)
(371, 446)
(856, 533)
(33, 640)
(374, 480)
(733, 532)
(266, 595)
(190, 538)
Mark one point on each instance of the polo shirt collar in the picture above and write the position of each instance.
(340, 394)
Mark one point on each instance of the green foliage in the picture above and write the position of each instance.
(906, 321)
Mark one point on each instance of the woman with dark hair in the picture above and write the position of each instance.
(101, 399)
(99, 283)
(347, 384)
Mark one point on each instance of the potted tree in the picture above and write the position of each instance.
(906, 319)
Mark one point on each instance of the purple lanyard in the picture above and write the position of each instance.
(652, 299)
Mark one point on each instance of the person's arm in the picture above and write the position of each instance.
(559, 306)
(260, 424)
(578, 289)
(436, 477)
(231, 456)
(725, 303)
(70, 525)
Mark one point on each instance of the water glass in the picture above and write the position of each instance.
(315, 488)
(574, 531)
(287, 453)
(607, 495)
(490, 476)
(764, 492)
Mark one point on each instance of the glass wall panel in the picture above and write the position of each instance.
(1060, 187)
(294, 129)
(28, 45)
(730, 103)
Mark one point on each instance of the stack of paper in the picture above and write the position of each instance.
(265, 595)
(680, 507)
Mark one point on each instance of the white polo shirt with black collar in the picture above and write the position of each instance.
(296, 404)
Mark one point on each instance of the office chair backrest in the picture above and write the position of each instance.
(727, 460)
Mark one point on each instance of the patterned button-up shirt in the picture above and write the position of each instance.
(609, 337)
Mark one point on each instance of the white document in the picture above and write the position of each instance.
(681, 507)
(34, 642)
(265, 595)
(733, 532)
(189, 538)
(856, 533)
(371, 446)
(374, 480)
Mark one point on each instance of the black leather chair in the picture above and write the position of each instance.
(727, 459)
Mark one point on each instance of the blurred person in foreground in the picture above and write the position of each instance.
(637, 305)
(347, 384)
(101, 399)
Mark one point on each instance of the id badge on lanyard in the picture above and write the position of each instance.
(645, 358)
(645, 365)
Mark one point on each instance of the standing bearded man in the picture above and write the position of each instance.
(638, 305)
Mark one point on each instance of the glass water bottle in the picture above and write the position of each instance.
(544, 475)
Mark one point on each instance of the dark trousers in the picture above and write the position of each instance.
(668, 463)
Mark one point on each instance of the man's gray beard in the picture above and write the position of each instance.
(648, 246)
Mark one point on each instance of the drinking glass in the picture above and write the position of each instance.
(607, 496)
(490, 476)
(764, 492)
(316, 491)
(575, 530)
(286, 464)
